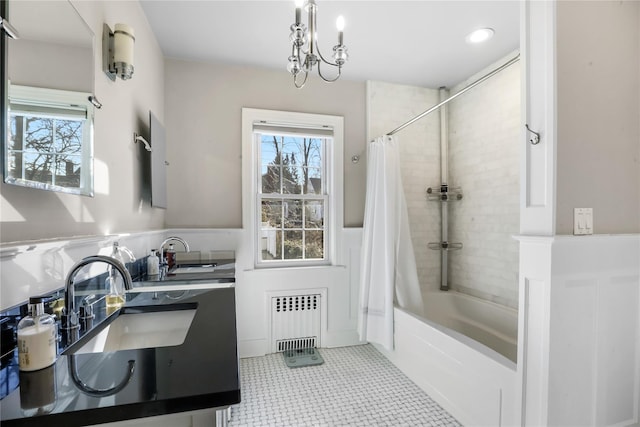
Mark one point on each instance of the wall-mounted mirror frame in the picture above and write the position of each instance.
(47, 117)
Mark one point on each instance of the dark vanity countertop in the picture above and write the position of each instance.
(224, 272)
(200, 373)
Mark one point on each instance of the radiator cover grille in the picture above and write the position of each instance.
(295, 322)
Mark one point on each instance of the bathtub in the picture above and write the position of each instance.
(462, 352)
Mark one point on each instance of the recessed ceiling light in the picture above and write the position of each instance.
(479, 36)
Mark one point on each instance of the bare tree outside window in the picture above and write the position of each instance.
(46, 150)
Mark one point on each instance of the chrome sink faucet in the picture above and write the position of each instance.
(69, 318)
(177, 239)
(164, 262)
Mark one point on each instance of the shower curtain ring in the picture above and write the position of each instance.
(536, 136)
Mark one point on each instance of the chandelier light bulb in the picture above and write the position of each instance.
(340, 23)
(298, 11)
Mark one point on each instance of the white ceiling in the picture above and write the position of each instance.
(410, 42)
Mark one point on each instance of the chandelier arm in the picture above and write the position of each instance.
(326, 79)
(324, 60)
(295, 80)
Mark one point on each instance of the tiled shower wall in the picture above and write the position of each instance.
(483, 160)
(484, 138)
(388, 106)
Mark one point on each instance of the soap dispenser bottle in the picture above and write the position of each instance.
(171, 256)
(37, 337)
(116, 296)
(153, 264)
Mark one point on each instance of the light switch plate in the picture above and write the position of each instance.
(582, 221)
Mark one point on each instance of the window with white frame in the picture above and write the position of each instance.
(293, 187)
(49, 139)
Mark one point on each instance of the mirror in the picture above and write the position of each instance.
(48, 130)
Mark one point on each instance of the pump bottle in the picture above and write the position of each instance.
(37, 338)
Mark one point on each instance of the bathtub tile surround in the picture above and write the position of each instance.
(356, 386)
(483, 160)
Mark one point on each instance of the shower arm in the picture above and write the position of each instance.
(454, 96)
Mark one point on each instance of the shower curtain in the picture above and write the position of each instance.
(388, 267)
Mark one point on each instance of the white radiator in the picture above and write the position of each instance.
(295, 322)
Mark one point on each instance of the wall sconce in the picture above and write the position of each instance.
(117, 51)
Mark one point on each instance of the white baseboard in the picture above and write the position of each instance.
(252, 348)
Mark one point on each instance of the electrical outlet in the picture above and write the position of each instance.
(582, 221)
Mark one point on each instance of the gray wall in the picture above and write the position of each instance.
(121, 202)
(203, 122)
(598, 81)
(67, 67)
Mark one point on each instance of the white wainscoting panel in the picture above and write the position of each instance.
(580, 330)
(594, 358)
(537, 46)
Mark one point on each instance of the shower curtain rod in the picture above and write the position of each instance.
(452, 97)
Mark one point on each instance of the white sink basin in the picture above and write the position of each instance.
(141, 330)
(195, 269)
(175, 287)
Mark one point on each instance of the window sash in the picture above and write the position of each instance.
(304, 228)
(324, 196)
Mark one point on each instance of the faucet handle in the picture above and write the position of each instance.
(86, 309)
(86, 313)
(69, 321)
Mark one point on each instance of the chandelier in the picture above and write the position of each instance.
(305, 53)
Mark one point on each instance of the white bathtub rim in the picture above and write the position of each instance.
(465, 340)
(494, 305)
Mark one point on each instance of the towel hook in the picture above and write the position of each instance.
(536, 136)
(138, 138)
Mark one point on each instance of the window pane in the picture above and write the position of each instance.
(290, 150)
(270, 149)
(313, 152)
(68, 171)
(291, 180)
(304, 151)
(271, 213)
(313, 179)
(39, 134)
(292, 213)
(15, 138)
(270, 179)
(68, 136)
(37, 167)
(271, 244)
(293, 245)
(314, 214)
(314, 245)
